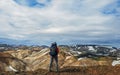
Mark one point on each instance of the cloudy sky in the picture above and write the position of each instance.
(63, 21)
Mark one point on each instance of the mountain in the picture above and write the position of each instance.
(32, 60)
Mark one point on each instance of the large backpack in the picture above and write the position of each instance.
(53, 50)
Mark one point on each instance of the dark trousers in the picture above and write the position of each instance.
(51, 62)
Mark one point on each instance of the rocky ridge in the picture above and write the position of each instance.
(31, 60)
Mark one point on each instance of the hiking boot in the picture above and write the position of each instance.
(50, 70)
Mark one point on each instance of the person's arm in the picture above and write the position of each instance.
(57, 50)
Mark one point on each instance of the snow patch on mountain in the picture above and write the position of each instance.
(116, 62)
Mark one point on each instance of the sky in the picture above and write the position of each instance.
(63, 21)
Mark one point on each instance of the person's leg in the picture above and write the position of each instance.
(51, 61)
(56, 60)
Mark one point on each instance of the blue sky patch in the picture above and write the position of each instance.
(109, 11)
(32, 3)
(112, 9)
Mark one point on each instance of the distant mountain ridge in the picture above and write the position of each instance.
(31, 42)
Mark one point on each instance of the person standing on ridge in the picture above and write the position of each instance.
(53, 55)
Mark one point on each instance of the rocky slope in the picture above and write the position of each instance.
(30, 60)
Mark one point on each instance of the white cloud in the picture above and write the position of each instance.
(15, 36)
(69, 19)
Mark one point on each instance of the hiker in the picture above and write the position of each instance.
(54, 55)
